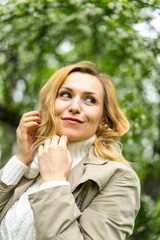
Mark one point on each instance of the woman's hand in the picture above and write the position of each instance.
(24, 139)
(54, 159)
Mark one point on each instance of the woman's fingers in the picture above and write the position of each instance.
(63, 141)
(40, 150)
(31, 113)
(30, 116)
(31, 119)
(30, 124)
(47, 143)
(55, 140)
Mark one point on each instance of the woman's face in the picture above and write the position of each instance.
(79, 106)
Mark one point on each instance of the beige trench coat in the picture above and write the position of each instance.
(101, 204)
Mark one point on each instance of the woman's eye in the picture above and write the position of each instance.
(91, 99)
(65, 94)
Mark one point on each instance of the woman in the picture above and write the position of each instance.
(69, 179)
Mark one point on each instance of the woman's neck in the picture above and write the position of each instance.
(80, 149)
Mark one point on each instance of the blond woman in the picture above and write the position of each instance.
(69, 179)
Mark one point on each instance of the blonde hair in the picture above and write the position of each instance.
(114, 122)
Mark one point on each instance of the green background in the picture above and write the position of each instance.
(39, 37)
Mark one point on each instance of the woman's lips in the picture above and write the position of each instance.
(73, 120)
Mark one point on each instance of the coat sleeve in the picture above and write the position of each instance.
(10, 175)
(110, 215)
(5, 194)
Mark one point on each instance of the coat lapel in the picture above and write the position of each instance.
(86, 170)
(22, 187)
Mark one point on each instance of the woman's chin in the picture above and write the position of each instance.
(73, 137)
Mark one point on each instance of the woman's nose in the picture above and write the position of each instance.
(75, 106)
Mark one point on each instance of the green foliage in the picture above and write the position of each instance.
(39, 36)
(147, 222)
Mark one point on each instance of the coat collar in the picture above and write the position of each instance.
(86, 170)
(93, 159)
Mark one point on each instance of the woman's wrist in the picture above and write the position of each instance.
(23, 159)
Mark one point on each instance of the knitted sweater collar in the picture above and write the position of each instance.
(78, 150)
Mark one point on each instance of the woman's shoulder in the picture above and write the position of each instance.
(117, 175)
(122, 170)
(109, 168)
(104, 171)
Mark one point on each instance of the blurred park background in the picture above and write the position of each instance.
(37, 37)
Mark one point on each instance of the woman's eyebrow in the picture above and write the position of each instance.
(89, 92)
(71, 90)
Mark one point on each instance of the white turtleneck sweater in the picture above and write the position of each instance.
(18, 223)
